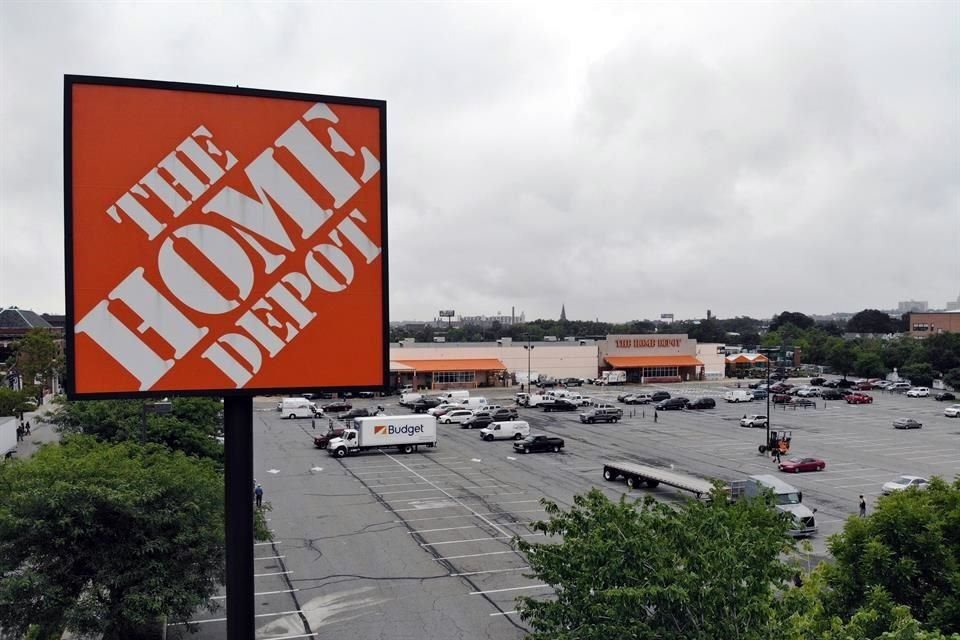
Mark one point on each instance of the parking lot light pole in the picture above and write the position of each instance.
(529, 349)
(766, 354)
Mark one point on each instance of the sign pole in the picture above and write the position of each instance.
(238, 476)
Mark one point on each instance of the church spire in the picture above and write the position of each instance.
(563, 313)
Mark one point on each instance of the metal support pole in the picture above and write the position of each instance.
(768, 400)
(238, 476)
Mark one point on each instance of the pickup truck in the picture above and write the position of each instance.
(321, 442)
(560, 404)
(535, 443)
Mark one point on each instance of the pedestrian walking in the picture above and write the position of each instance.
(258, 494)
(27, 428)
(19, 433)
(776, 454)
(863, 507)
(313, 423)
(655, 415)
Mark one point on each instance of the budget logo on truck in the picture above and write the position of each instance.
(208, 230)
(393, 429)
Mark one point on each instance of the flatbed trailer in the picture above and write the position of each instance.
(637, 474)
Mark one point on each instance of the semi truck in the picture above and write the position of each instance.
(8, 437)
(784, 496)
(405, 433)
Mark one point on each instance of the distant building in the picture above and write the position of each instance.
(487, 321)
(927, 324)
(563, 313)
(906, 306)
(955, 305)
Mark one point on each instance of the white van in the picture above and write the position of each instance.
(455, 396)
(297, 408)
(516, 429)
(407, 399)
(738, 395)
(473, 403)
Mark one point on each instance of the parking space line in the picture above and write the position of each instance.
(851, 486)
(942, 455)
(476, 555)
(259, 615)
(276, 573)
(503, 613)
(437, 544)
(261, 544)
(477, 573)
(468, 515)
(259, 593)
(270, 558)
(533, 586)
(434, 488)
(469, 526)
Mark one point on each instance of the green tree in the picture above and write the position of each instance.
(869, 365)
(37, 356)
(106, 539)
(952, 378)
(798, 320)
(646, 570)
(842, 357)
(191, 427)
(919, 374)
(12, 402)
(872, 321)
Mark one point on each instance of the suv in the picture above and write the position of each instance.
(672, 404)
(660, 395)
(702, 403)
(918, 392)
(639, 398)
(753, 421)
(604, 413)
(504, 413)
(831, 394)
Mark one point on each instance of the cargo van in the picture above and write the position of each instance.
(473, 403)
(738, 395)
(455, 396)
(407, 399)
(516, 429)
(297, 408)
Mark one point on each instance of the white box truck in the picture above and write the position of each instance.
(8, 437)
(613, 377)
(405, 433)
(738, 395)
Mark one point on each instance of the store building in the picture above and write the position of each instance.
(740, 365)
(652, 358)
(921, 325)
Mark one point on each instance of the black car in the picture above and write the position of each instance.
(660, 395)
(336, 405)
(560, 404)
(946, 395)
(531, 444)
(831, 394)
(803, 402)
(421, 405)
(504, 413)
(843, 383)
(816, 382)
(573, 382)
(672, 404)
(359, 412)
(703, 403)
(477, 421)
(546, 383)
(759, 394)
(366, 394)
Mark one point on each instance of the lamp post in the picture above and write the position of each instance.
(766, 353)
(529, 349)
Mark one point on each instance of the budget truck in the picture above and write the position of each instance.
(783, 496)
(405, 433)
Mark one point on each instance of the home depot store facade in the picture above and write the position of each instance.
(645, 358)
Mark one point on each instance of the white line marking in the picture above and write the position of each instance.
(260, 544)
(436, 488)
(477, 573)
(862, 484)
(260, 593)
(273, 471)
(437, 544)
(277, 573)
(504, 613)
(259, 615)
(534, 586)
(469, 515)
(492, 524)
(270, 558)
(476, 555)
(469, 526)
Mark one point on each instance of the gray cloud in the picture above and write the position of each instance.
(627, 160)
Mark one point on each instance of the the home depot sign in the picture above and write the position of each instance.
(222, 240)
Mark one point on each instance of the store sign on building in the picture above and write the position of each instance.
(647, 343)
(222, 240)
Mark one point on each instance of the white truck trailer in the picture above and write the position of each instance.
(8, 437)
(785, 497)
(405, 433)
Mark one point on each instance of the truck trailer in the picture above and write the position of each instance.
(784, 497)
(405, 433)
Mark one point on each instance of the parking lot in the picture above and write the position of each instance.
(385, 545)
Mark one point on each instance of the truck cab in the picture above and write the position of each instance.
(784, 497)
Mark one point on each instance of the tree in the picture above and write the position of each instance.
(952, 378)
(842, 357)
(919, 374)
(37, 356)
(909, 549)
(645, 570)
(871, 321)
(106, 538)
(869, 365)
(12, 402)
(798, 320)
(191, 427)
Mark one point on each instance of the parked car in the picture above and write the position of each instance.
(831, 394)
(797, 465)
(780, 398)
(573, 382)
(818, 381)
(906, 423)
(337, 406)
(803, 402)
(560, 404)
(640, 398)
(605, 413)
(753, 421)
(673, 404)
(866, 385)
(809, 392)
(625, 398)
(944, 396)
(358, 412)
(859, 398)
(843, 383)
(504, 413)
(903, 385)
(658, 396)
(535, 443)
(953, 411)
(918, 392)
(759, 394)
(477, 421)
(702, 403)
(457, 415)
(903, 483)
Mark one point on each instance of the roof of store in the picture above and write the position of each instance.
(633, 362)
(740, 358)
(462, 364)
(14, 318)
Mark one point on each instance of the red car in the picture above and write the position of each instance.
(859, 398)
(796, 465)
(863, 386)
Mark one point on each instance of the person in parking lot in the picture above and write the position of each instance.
(863, 507)
(776, 454)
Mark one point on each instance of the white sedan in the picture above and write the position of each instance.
(953, 411)
(903, 483)
(918, 392)
(457, 415)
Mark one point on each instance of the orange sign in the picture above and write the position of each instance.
(222, 240)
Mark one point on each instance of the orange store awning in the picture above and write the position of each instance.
(636, 362)
(466, 364)
(742, 358)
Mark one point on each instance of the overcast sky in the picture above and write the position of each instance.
(624, 160)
